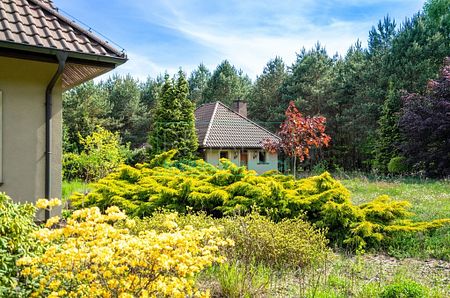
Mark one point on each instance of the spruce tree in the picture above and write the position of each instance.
(188, 142)
(173, 119)
(166, 117)
(388, 131)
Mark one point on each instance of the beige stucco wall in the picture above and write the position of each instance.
(212, 156)
(270, 164)
(23, 84)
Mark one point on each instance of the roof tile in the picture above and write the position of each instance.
(38, 23)
(218, 126)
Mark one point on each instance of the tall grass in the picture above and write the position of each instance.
(430, 199)
(69, 187)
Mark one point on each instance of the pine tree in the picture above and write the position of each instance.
(388, 131)
(227, 84)
(265, 104)
(198, 82)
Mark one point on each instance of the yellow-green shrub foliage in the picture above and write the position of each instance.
(16, 223)
(230, 190)
(289, 243)
(101, 155)
(89, 257)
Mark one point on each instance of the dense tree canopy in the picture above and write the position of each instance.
(226, 84)
(425, 123)
(358, 93)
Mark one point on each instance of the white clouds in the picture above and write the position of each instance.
(140, 67)
(250, 33)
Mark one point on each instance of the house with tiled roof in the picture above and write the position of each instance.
(42, 53)
(225, 132)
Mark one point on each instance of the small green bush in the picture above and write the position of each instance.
(403, 289)
(398, 165)
(16, 241)
(287, 244)
(101, 155)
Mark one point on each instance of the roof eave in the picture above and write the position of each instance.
(42, 52)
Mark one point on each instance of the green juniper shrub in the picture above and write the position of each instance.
(230, 190)
(397, 165)
(16, 241)
(138, 155)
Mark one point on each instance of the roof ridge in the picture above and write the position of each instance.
(55, 12)
(210, 122)
(246, 118)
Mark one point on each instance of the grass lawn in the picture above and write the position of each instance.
(69, 187)
(429, 200)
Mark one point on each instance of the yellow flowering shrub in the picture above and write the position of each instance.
(90, 257)
(230, 190)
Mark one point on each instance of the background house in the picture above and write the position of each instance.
(225, 132)
(42, 53)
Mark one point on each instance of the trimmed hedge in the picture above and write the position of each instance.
(231, 190)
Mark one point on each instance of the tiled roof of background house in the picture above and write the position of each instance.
(37, 27)
(218, 126)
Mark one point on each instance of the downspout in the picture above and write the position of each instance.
(62, 57)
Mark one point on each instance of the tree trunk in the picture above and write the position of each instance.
(295, 166)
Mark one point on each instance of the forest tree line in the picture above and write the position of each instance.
(372, 97)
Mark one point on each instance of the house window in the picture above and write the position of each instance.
(262, 157)
(224, 154)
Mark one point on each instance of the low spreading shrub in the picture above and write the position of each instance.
(16, 225)
(90, 257)
(229, 190)
(287, 244)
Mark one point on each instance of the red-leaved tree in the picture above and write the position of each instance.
(298, 135)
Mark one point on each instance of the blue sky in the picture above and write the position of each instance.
(161, 35)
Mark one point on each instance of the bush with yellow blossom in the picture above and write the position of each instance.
(90, 257)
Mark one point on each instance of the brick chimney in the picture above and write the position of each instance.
(240, 107)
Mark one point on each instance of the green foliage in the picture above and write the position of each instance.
(16, 241)
(128, 114)
(236, 280)
(397, 165)
(226, 84)
(287, 244)
(230, 190)
(84, 108)
(174, 121)
(388, 131)
(198, 81)
(266, 105)
(403, 289)
(102, 154)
